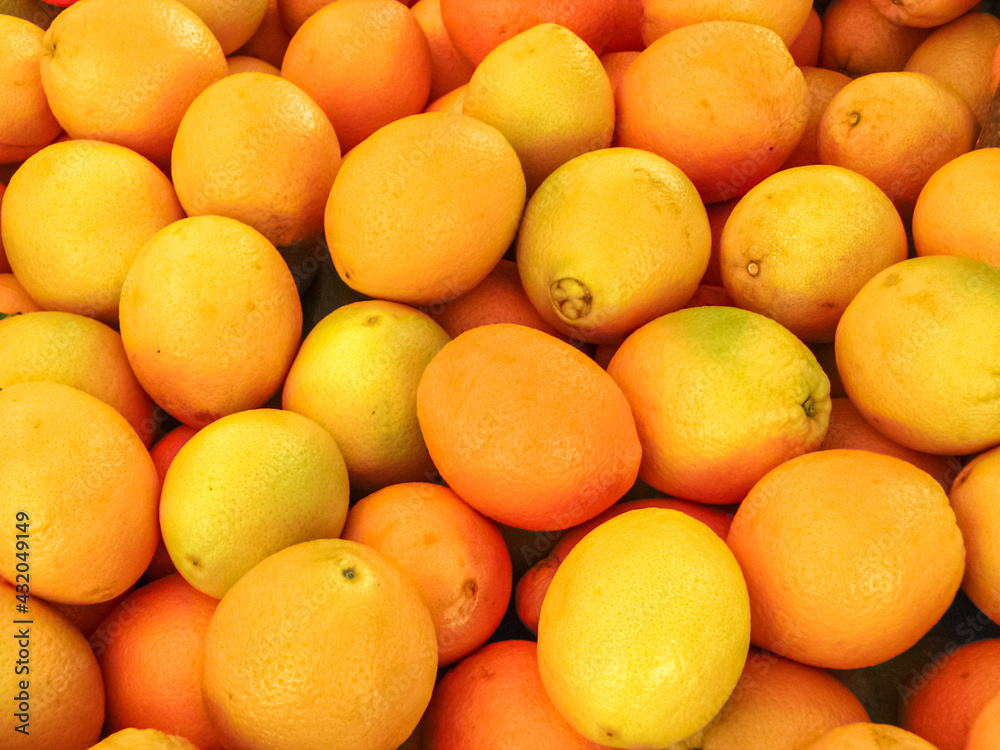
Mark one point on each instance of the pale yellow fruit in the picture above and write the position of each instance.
(356, 374)
(612, 239)
(246, 486)
(143, 739)
(232, 22)
(644, 630)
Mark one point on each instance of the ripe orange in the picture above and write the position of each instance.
(822, 85)
(451, 102)
(713, 413)
(718, 214)
(53, 681)
(612, 239)
(648, 658)
(943, 708)
(166, 448)
(495, 698)
(547, 92)
(857, 39)
(849, 429)
(799, 245)
(849, 556)
(26, 121)
(325, 643)
(626, 29)
(922, 13)
(78, 351)
(293, 13)
(531, 588)
(232, 22)
(364, 62)
(499, 298)
(449, 69)
(86, 617)
(477, 27)
(203, 299)
(896, 129)
(143, 739)
(951, 215)
(804, 48)
(615, 64)
(4, 265)
(915, 350)
(245, 64)
(786, 18)
(525, 428)
(455, 556)
(86, 486)
(425, 208)
(973, 498)
(13, 298)
(151, 649)
(961, 53)
(722, 100)
(75, 216)
(985, 732)
(258, 149)
(779, 704)
(155, 57)
(270, 41)
(869, 736)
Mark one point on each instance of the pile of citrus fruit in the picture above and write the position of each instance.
(499, 374)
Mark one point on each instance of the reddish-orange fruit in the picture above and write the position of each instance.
(364, 62)
(495, 698)
(858, 40)
(13, 298)
(151, 649)
(922, 13)
(626, 31)
(823, 84)
(167, 446)
(477, 27)
(850, 557)
(86, 617)
(985, 732)
(527, 429)
(943, 705)
(451, 102)
(455, 556)
(723, 100)
(804, 48)
(270, 40)
(449, 69)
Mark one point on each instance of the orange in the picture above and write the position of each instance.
(498, 298)
(822, 85)
(896, 129)
(626, 29)
(13, 298)
(804, 48)
(66, 348)
(204, 298)
(943, 708)
(615, 64)
(525, 428)
(786, 18)
(869, 736)
(86, 617)
(922, 13)
(86, 490)
(722, 100)
(713, 412)
(151, 651)
(425, 208)
(547, 92)
(858, 40)
(4, 265)
(646, 659)
(799, 246)
(848, 429)
(477, 27)
(849, 556)
(707, 295)
(455, 556)
(961, 53)
(985, 732)
(143, 739)
(995, 71)
(612, 239)
(56, 694)
(166, 448)
(258, 149)
(364, 62)
(451, 102)
(232, 22)
(26, 122)
(154, 58)
(246, 486)
(344, 658)
(718, 214)
(75, 215)
(779, 704)
(495, 698)
(973, 498)
(915, 349)
(449, 69)
(531, 588)
(293, 13)
(246, 64)
(270, 41)
(951, 217)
